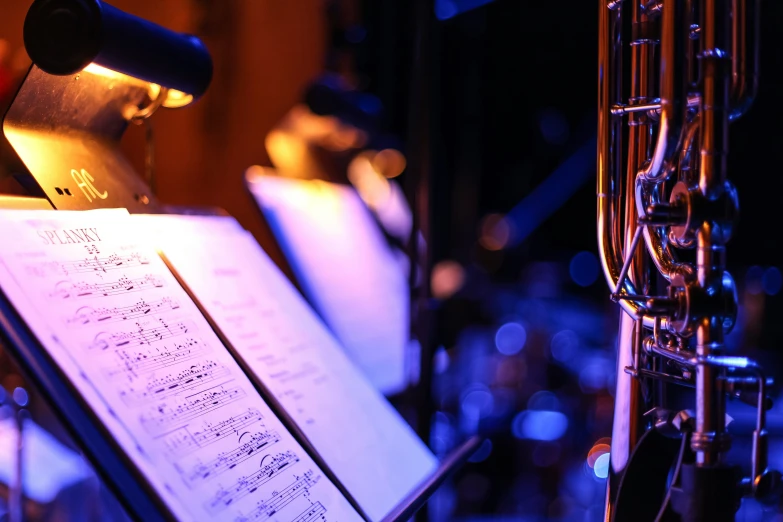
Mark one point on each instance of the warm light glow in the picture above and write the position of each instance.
(308, 196)
(256, 171)
(287, 151)
(325, 131)
(110, 74)
(495, 232)
(309, 125)
(174, 98)
(372, 186)
(601, 447)
(447, 278)
(389, 162)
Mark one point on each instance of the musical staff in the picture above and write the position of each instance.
(182, 442)
(280, 499)
(163, 417)
(314, 512)
(143, 334)
(230, 459)
(86, 315)
(271, 466)
(157, 388)
(135, 349)
(88, 265)
(124, 285)
(134, 363)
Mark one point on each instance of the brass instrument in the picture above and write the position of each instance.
(662, 181)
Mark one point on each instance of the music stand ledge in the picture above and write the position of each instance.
(418, 497)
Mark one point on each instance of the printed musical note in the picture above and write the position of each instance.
(314, 512)
(182, 442)
(88, 265)
(134, 363)
(136, 349)
(165, 417)
(82, 289)
(279, 499)
(170, 384)
(86, 315)
(143, 334)
(227, 460)
(271, 466)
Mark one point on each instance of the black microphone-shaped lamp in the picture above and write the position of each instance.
(64, 37)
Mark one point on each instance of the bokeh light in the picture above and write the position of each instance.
(495, 232)
(564, 345)
(483, 452)
(510, 338)
(539, 425)
(372, 186)
(771, 281)
(601, 467)
(477, 402)
(553, 126)
(544, 400)
(584, 268)
(448, 277)
(753, 280)
(594, 376)
(389, 162)
(21, 397)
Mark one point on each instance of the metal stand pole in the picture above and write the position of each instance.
(418, 189)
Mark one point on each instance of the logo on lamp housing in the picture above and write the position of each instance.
(85, 181)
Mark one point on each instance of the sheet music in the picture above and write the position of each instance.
(347, 270)
(361, 437)
(127, 335)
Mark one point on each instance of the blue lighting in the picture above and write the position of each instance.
(753, 280)
(601, 466)
(441, 360)
(445, 9)
(554, 126)
(539, 425)
(477, 403)
(20, 396)
(564, 345)
(543, 400)
(584, 268)
(772, 281)
(510, 338)
(552, 193)
(593, 377)
(369, 104)
(482, 452)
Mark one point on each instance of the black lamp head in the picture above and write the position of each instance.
(63, 37)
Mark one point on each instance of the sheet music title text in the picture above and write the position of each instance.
(69, 237)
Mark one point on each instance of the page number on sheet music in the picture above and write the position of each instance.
(84, 181)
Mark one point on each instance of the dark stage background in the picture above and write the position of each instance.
(524, 349)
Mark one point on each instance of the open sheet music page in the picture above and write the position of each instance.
(142, 356)
(360, 436)
(347, 270)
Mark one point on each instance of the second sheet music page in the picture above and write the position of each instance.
(360, 436)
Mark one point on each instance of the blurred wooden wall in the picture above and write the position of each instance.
(264, 52)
